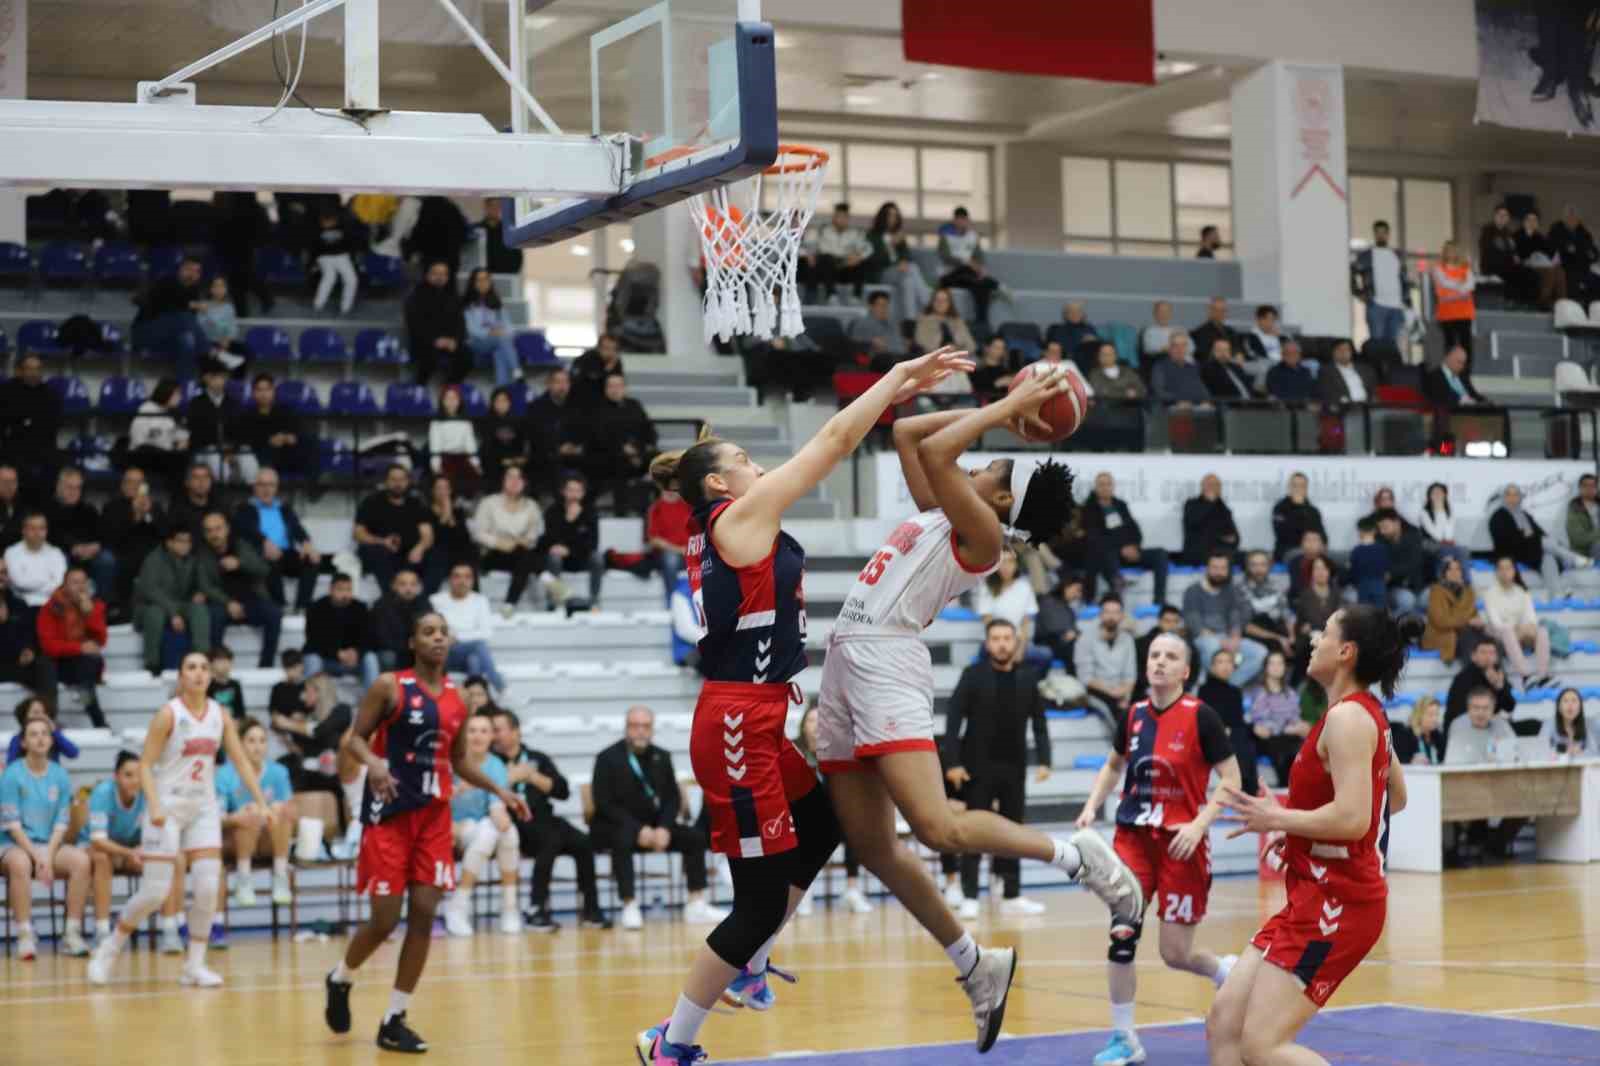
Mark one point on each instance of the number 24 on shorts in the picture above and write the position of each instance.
(1178, 908)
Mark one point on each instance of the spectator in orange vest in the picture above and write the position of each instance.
(1453, 283)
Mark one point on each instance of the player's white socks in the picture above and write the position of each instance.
(1067, 857)
(687, 1018)
(508, 899)
(964, 953)
(1122, 1017)
(758, 961)
(280, 867)
(342, 974)
(398, 1001)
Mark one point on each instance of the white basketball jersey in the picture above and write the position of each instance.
(909, 581)
(186, 769)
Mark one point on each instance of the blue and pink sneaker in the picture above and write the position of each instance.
(654, 1049)
(753, 990)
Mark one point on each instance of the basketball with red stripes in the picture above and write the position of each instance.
(1064, 412)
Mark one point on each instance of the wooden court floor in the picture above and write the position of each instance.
(1520, 941)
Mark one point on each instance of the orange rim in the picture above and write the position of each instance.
(811, 158)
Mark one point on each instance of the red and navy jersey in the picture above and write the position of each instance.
(1347, 868)
(754, 616)
(1170, 753)
(415, 739)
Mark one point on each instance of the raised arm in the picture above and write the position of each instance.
(908, 434)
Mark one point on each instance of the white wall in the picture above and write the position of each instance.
(13, 86)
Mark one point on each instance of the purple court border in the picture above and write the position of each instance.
(1383, 1035)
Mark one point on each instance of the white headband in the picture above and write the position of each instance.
(1021, 477)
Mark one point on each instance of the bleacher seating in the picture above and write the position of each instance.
(352, 398)
(65, 263)
(380, 347)
(299, 397)
(383, 275)
(16, 265)
(321, 345)
(73, 392)
(279, 269)
(403, 399)
(39, 336)
(533, 350)
(270, 344)
(118, 263)
(120, 395)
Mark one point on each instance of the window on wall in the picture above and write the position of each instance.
(927, 182)
(1420, 212)
(1143, 207)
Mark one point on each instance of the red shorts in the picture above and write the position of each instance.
(1177, 889)
(747, 768)
(1319, 939)
(412, 848)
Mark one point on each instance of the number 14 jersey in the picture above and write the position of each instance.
(1170, 753)
(415, 740)
(909, 580)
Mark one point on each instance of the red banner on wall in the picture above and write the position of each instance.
(1056, 38)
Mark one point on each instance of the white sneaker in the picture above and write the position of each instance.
(806, 904)
(968, 911)
(100, 963)
(987, 986)
(281, 893)
(171, 942)
(699, 912)
(1108, 877)
(952, 895)
(244, 894)
(27, 946)
(856, 901)
(632, 917)
(510, 923)
(456, 922)
(197, 976)
(1021, 905)
(72, 944)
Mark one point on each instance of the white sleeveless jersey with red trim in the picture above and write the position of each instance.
(185, 771)
(909, 580)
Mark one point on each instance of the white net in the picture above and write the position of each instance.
(750, 254)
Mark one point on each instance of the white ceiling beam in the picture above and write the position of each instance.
(1138, 107)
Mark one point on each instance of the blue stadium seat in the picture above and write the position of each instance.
(270, 344)
(277, 267)
(65, 263)
(352, 398)
(519, 394)
(381, 347)
(534, 350)
(336, 458)
(473, 402)
(237, 391)
(37, 335)
(118, 263)
(188, 391)
(16, 265)
(298, 396)
(5, 343)
(164, 261)
(111, 333)
(402, 399)
(383, 274)
(321, 345)
(73, 392)
(1024, 339)
(121, 396)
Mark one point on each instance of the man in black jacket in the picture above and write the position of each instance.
(75, 528)
(997, 700)
(544, 837)
(1224, 372)
(501, 259)
(1114, 541)
(272, 528)
(166, 321)
(273, 434)
(214, 421)
(636, 808)
(336, 632)
(200, 496)
(1408, 568)
(622, 442)
(12, 510)
(557, 432)
(30, 418)
(1292, 516)
(133, 522)
(391, 619)
(1208, 524)
(1482, 670)
(1448, 385)
(393, 529)
(590, 370)
(571, 540)
(1214, 328)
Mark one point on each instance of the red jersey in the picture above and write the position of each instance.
(1345, 868)
(1170, 753)
(415, 739)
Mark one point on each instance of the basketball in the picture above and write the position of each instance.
(1065, 411)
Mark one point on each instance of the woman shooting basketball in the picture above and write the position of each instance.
(1342, 786)
(767, 814)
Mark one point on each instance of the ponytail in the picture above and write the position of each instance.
(1383, 644)
(688, 467)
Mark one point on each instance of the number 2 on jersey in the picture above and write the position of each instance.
(875, 567)
(430, 783)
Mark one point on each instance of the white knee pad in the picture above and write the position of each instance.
(352, 794)
(207, 875)
(507, 847)
(480, 847)
(154, 884)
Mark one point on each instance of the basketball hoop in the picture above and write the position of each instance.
(750, 254)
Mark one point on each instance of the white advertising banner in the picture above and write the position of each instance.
(1156, 486)
(13, 86)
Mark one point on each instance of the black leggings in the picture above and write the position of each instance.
(761, 886)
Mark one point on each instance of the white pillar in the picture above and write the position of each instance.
(1291, 220)
(13, 86)
(667, 239)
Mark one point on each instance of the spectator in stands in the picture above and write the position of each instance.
(1274, 715)
(1497, 257)
(452, 534)
(1537, 254)
(590, 370)
(1267, 607)
(1115, 541)
(31, 708)
(472, 622)
(961, 252)
(215, 426)
(1104, 661)
(219, 320)
(391, 619)
(1575, 246)
(335, 250)
(838, 256)
(1567, 732)
(336, 631)
(1383, 285)
(1052, 354)
(666, 534)
(1111, 381)
(1453, 287)
(876, 334)
(1482, 670)
(890, 262)
(1225, 374)
(502, 440)
(453, 443)
(392, 529)
(1007, 595)
(236, 575)
(75, 529)
(1210, 241)
(1219, 692)
(488, 333)
(1438, 526)
(37, 567)
(249, 831)
(168, 595)
(1583, 519)
(166, 322)
(436, 327)
(557, 432)
(1289, 381)
(242, 228)
(622, 443)
(1448, 385)
(1418, 740)
(1452, 610)
(1214, 614)
(1370, 565)
(1343, 380)
(1056, 626)
(1408, 565)
(501, 258)
(571, 542)
(1208, 525)
(1175, 381)
(1314, 604)
(155, 439)
(71, 643)
(11, 507)
(1518, 535)
(224, 687)
(994, 371)
(35, 807)
(637, 804)
(1169, 621)
(439, 233)
(30, 421)
(1292, 516)
(1073, 330)
(274, 434)
(546, 836)
(113, 835)
(1206, 334)
(1478, 738)
(940, 324)
(271, 527)
(20, 661)
(1510, 617)
(1264, 341)
(1154, 337)
(507, 527)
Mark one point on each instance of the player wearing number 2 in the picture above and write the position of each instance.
(409, 733)
(1169, 744)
